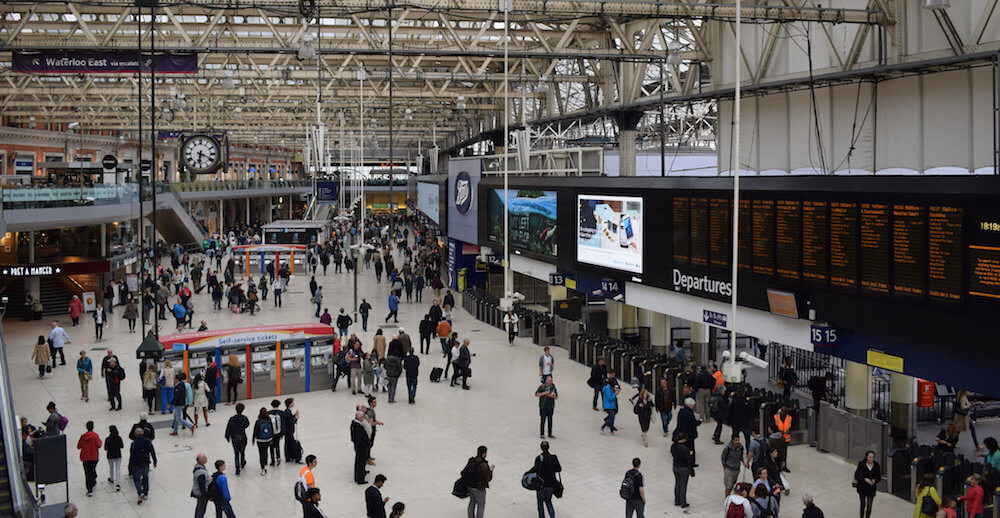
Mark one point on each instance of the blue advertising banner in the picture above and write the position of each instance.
(327, 191)
(105, 62)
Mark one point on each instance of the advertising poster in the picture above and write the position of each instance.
(609, 232)
(532, 219)
(428, 200)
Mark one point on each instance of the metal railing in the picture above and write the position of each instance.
(43, 196)
(237, 185)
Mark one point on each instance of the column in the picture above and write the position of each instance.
(627, 124)
(104, 240)
(903, 394)
(556, 294)
(222, 218)
(270, 209)
(659, 330)
(699, 343)
(32, 284)
(614, 310)
(858, 388)
(248, 210)
(629, 318)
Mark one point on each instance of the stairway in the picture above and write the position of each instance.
(53, 295)
(175, 224)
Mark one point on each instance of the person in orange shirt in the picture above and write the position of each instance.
(306, 474)
(783, 423)
(717, 375)
(443, 332)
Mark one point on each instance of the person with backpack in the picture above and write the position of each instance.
(199, 485)
(310, 504)
(719, 408)
(306, 480)
(343, 322)
(141, 454)
(928, 501)
(236, 434)
(633, 491)
(56, 423)
(547, 467)
(277, 418)
(263, 436)
(179, 401)
(737, 505)
(732, 459)
(477, 475)
(218, 491)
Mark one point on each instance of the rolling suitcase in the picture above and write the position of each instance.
(294, 450)
(436, 373)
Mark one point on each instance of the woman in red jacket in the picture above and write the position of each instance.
(974, 496)
(75, 309)
(90, 447)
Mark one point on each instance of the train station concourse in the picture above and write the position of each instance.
(735, 258)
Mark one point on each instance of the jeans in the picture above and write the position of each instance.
(681, 476)
(319, 307)
(866, 505)
(277, 299)
(232, 393)
(343, 331)
(636, 506)
(364, 321)
(609, 421)
(477, 503)
(140, 477)
(718, 430)
(546, 415)
(179, 419)
(213, 391)
(444, 344)
(166, 396)
(544, 497)
(665, 418)
(240, 452)
(90, 474)
(115, 470)
(392, 388)
(224, 508)
(411, 389)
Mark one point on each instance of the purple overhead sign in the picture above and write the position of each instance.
(112, 62)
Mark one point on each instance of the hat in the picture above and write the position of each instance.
(401, 329)
(741, 487)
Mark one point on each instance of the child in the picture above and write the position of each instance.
(974, 496)
(367, 374)
(947, 509)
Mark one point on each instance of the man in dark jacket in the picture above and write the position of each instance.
(148, 431)
(449, 300)
(395, 347)
(113, 375)
(739, 415)
(598, 373)
(140, 455)
(405, 341)
(546, 466)
(411, 366)
(721, 412)
(477, 474)
(104, 369)
(426, 330)
(374, 502)
(343, 322)
(462, 365)
(362, 447)
(435, 312)
(310, 505)
(393, 369)
(212, 376)
(364, 309)
(810, 511)
(290, 418)
(688, 424)
(277, 418)
(664, 404)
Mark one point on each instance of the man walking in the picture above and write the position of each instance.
(374, 502)
(547, 396)
(277, 418)
(105, 365)
(89, 445)
(732, 458)
(343, 322)
(57, 339)
(199, 485)
(393, 308)
(114, 375)
(609, 396)
(721, 413)
(411, 366)
(362, 447)
(318, 299)
(180, 400)
(462, 365)
(663, 404)
(477, 475)
(636, 503)
(364, 308)
(140, 455)
(598, 374)
(545, 363)
(547, 466)
(220, 492)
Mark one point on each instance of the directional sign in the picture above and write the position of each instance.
(110, 163)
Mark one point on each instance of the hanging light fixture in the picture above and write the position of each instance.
(307, 50)
(227, 80)
(460, 103)
(409, 114)
(674, 53)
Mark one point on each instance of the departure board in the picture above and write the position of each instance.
(843, 244)
(874, 247)
(788, 239)
(699, 232)
(815, 236)
(682, 230)
(944, 253)
(908, 247)
(984, 271)
(746, 235)
(720, 232)
(763, 237)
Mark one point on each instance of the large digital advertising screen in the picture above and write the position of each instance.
(428, 200)
(532, 219)
(609, 232)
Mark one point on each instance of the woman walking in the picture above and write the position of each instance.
(131, 313)
(928, 501)
(84, 371)
(41, 355)
(100, 317)
(866, 477)
(167, 381)
(962, 410)
(262, 436)
(236, 434)
(150, 380)
(644, 409)
(234, 376)
(510, 321)
(200, 388)
(113, 445)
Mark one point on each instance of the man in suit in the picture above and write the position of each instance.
(362, 447)
(374, 503)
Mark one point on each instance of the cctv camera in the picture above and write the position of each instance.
(753, 360)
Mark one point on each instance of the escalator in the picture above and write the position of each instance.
(6, 499)
(175, 224)
(15, 496)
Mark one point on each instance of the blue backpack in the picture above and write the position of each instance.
(266, 432)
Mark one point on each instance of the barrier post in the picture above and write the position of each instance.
(186, 371)
(996, 503)
(218, 382)
(277, 261)
(291, 262)
(261, 265)
(308, 361)
(939, 480)
(277, 365)
(249, 366)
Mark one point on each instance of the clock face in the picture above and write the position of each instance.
(202, 154)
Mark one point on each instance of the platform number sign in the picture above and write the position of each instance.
(823, 335)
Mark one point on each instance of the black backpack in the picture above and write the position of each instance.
(214, 493)
(300, 491)
(630, 486)
(470, 474)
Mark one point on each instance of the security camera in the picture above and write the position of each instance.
(618, 298)
(753, 360)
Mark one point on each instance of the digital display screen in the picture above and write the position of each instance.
(682, 230)
(874, 248)
(720, 229)
(782, 303)
(763, 237)
(984, 271)
(609, 232)
(843, 244)
(944, 253)
(815, 236)
(699, 232)
(532, 219)
(789, 240)
(746, 235)
(908, 248)
(428, 200)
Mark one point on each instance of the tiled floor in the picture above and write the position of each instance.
(421, 448)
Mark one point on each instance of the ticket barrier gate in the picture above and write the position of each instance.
(322, 368)
(293, 366)
(243, 357)
(263, 379)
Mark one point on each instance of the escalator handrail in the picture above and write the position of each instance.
(21, 498)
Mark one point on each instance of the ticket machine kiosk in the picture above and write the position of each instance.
(175, 356)
(243, 358)
(293, 366)
(322, 368)
(198, 360)
(263, 377)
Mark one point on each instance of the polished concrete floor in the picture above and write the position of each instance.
(421, 448)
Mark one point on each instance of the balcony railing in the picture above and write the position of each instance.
(39, 197)
(235, 185)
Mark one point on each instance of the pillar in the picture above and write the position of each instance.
(270, 209)
(222, 217)
(903, 394)
(248, 210)
(629, 317)
(627, 124)
(659, 329)
(104, 239)
(556, 294)
(614, 310)
(699, 343)
(858, 388)
(32, 284)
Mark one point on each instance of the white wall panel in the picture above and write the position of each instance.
(773, 133)
(947, 119)
(899, 125)
(850, 126)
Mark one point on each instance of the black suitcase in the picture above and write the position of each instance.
(294, 450)
(436, 373)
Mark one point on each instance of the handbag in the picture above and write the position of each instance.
(928, 505)
(460, 490)
(48, 368)
(88, 376)
(557, 490)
